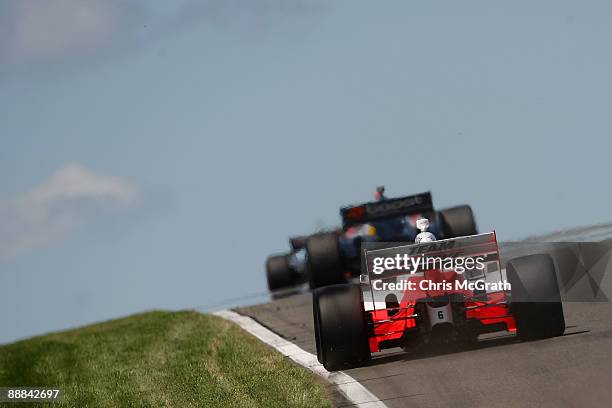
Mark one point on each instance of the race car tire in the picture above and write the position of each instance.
(535, 298)
(317, 329)
(458, 221)
(279, 272)
(323, 260)
(340, 327)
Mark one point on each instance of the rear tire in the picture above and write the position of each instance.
(536, 301)
(279, 272)
(324, 264)
(317, 327)
(340, 327)
(458, 221)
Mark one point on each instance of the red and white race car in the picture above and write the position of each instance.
(428, 293)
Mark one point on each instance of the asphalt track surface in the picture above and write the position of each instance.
(574, 370)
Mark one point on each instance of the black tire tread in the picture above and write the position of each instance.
(278, 272)
(536, 300)
(324, 262)
(340, 327)
(458, 221)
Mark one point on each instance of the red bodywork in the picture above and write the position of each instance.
(390, 324)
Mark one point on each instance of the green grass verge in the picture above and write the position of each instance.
(160, 359)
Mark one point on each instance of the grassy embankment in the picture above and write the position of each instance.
(160, 359)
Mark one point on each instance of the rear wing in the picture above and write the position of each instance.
(368, 212)
(462, 247)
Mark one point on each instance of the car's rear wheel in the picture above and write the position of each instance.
(340, 327)
(317, 326)
(458, 221)
(535, 297)
(324, 264)
(279, 272)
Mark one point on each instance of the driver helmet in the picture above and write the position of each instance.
(379, 194)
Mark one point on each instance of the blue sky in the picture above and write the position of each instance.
(153, 156)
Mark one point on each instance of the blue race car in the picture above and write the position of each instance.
(333, 256)
(330, 257)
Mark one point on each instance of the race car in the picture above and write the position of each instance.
(394, 305)
(333, 256)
